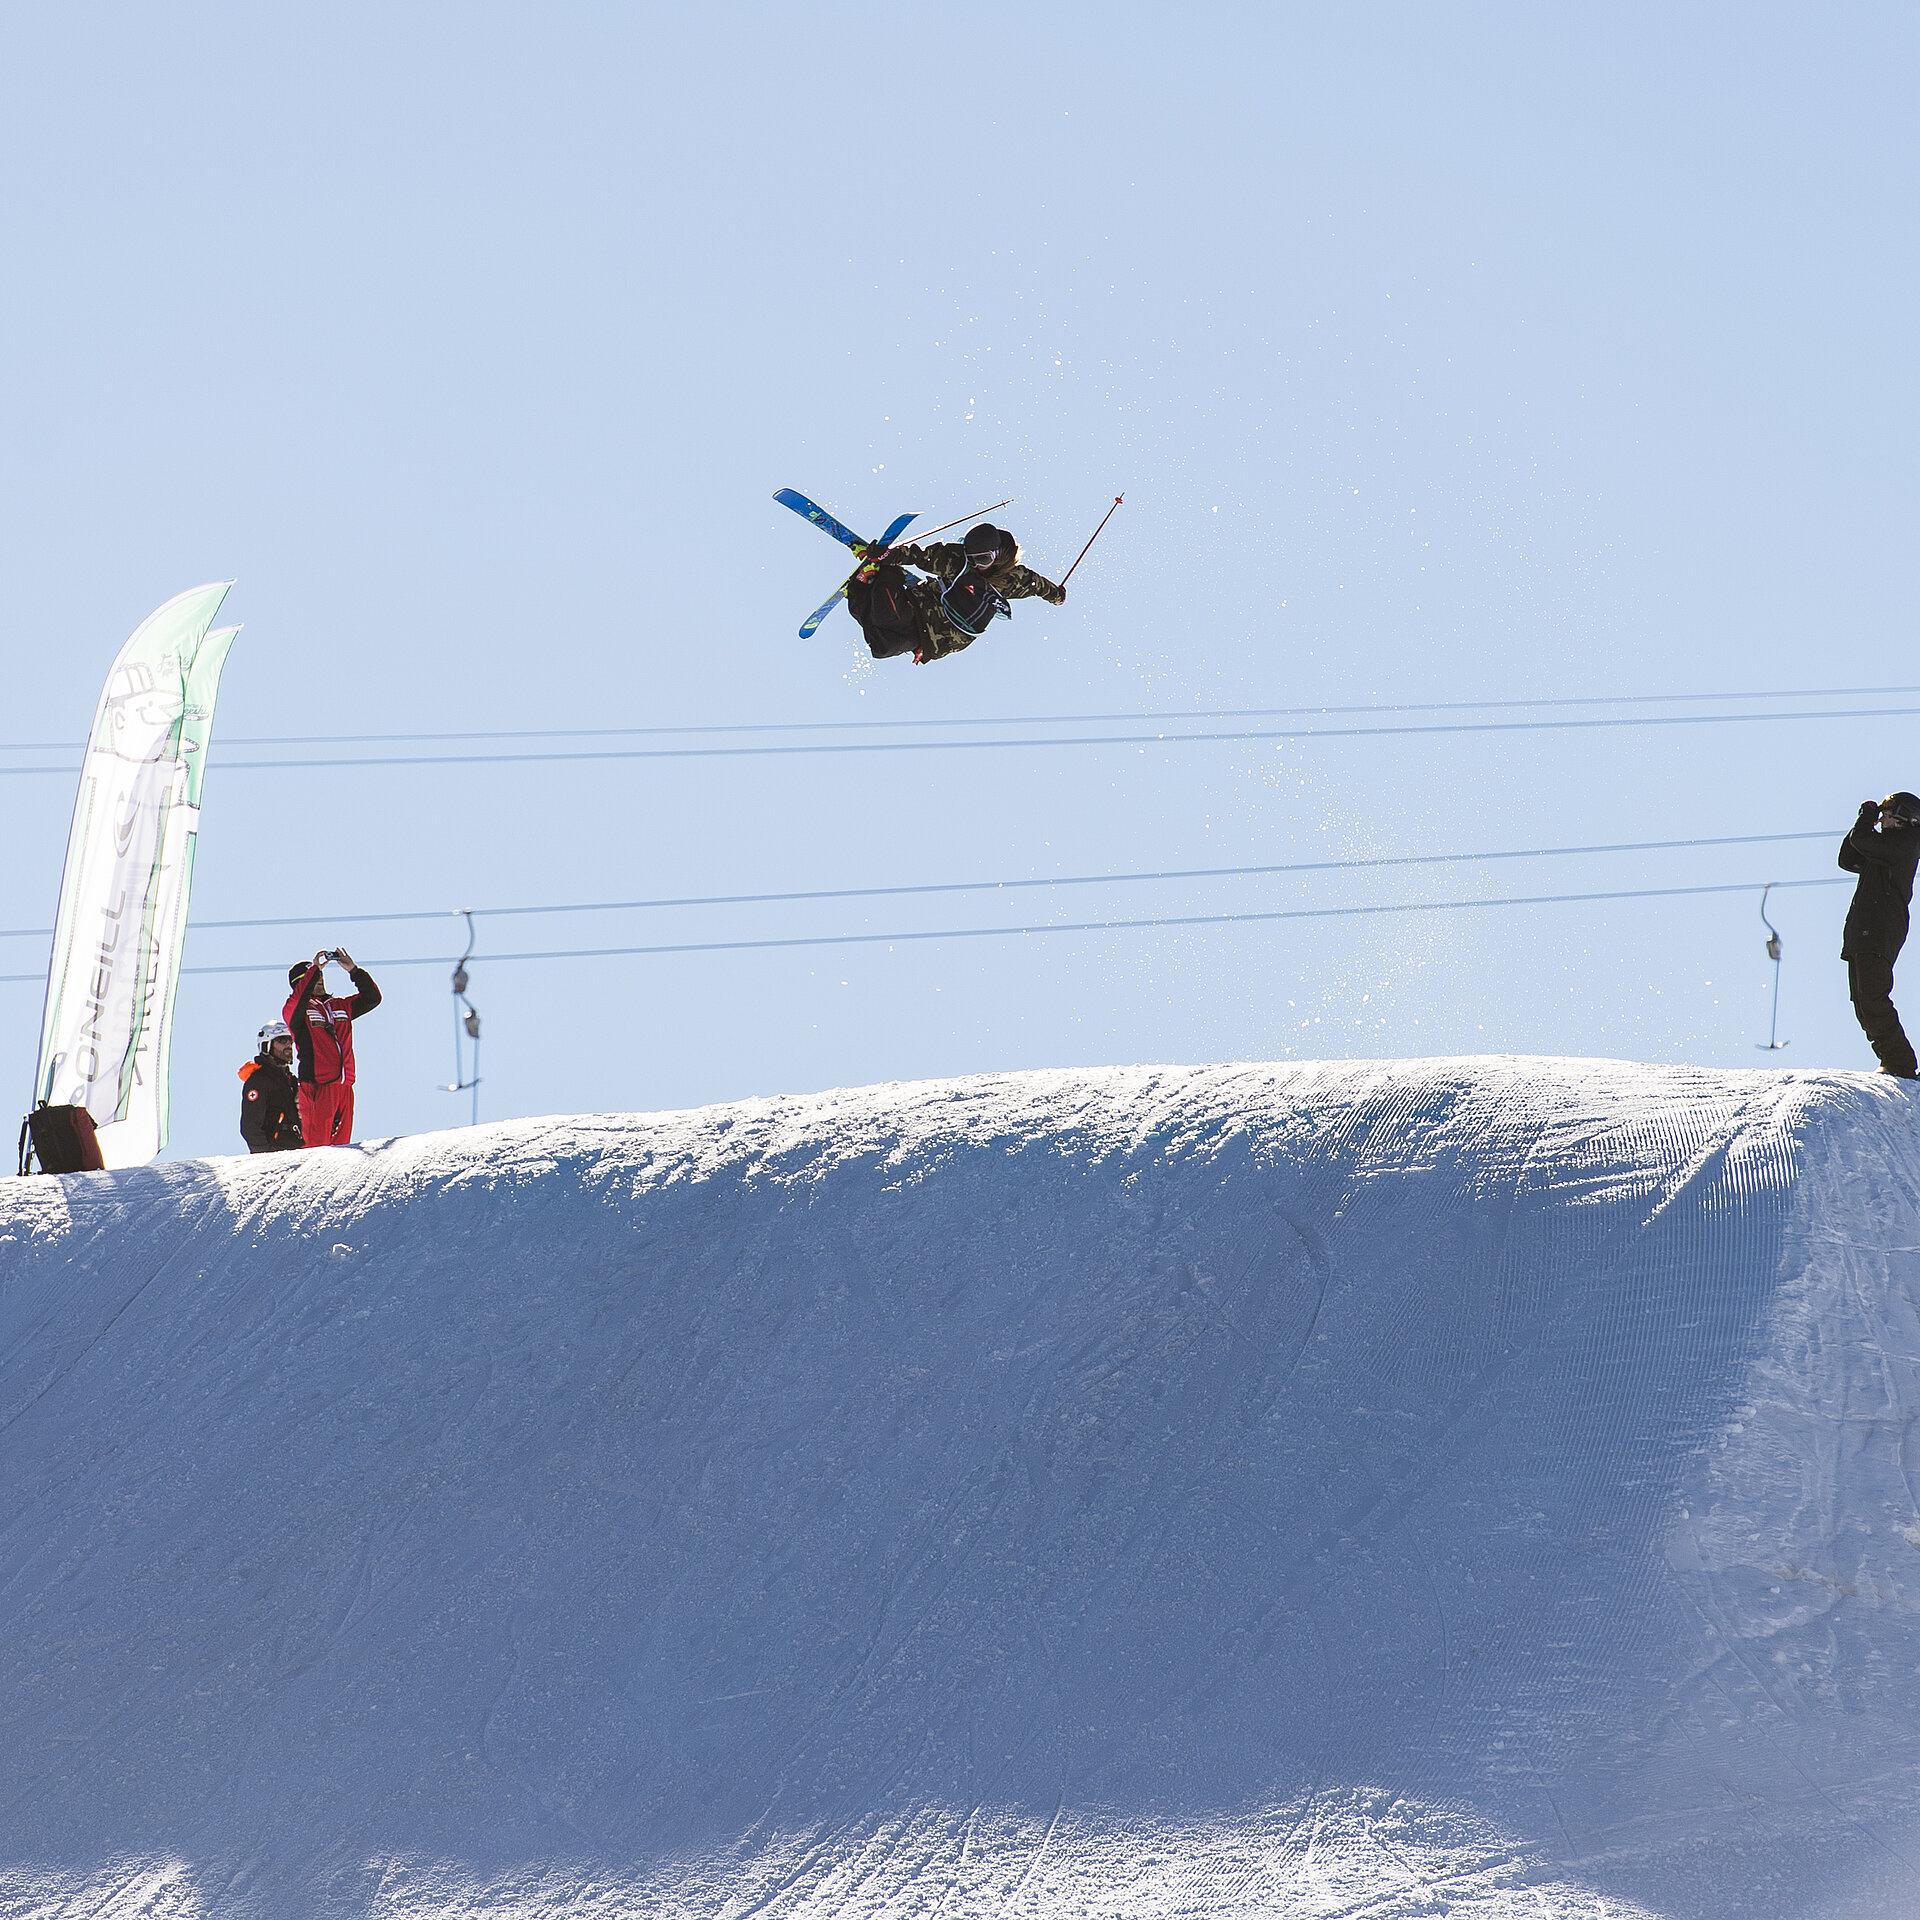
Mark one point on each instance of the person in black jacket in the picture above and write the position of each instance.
(270, 1097)
(1883, 848)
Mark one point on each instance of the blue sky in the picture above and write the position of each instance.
(1471, 353)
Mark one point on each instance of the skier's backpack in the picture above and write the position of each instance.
(886, 615)
(971, 603)
(63, 1140)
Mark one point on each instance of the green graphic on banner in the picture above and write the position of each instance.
(104, 1038)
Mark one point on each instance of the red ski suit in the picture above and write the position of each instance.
(323, 1038)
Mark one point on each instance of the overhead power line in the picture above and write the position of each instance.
(988, 886)
(1044, 927)
(1019, 720)
(1055, 740)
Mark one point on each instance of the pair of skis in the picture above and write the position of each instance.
(868, 550)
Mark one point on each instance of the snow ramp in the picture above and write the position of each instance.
(1475, 1487)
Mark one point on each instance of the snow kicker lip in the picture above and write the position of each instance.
(1204, 1480)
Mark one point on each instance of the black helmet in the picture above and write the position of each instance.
(1903, 807)
(984, 543)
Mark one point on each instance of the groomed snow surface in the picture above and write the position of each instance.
(1474, 1487)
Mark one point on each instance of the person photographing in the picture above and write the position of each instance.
(322, 1027)
(1883, 848)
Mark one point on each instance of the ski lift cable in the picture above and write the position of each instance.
(998, 886)
(1176, 739)
(1018, 720)
(1048, 927)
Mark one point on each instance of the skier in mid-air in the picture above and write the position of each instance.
(968, 585)
(1883, 848)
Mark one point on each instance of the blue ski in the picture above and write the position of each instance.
(825, 521)
(820, 517)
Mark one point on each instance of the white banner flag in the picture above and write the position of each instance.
(123, 898)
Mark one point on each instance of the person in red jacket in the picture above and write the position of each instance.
(323, 1036)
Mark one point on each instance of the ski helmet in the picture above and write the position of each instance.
(1904, 807)
(983, 544)
(272, 1031)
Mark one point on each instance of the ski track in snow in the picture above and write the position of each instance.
(1395, 1489)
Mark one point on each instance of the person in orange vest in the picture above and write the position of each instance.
(270, 1095)
(323, 1036)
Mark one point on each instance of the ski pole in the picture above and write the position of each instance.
(931, 531)
(1111, 511)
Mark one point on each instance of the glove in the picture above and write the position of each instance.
(1059, 596)
(1869, 810)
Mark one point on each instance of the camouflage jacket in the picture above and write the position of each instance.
(944, 559)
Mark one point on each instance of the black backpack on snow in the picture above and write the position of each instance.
(888, 618)
(61, 1139)
(971, 603)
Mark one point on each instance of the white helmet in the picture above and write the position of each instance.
(272, 1031)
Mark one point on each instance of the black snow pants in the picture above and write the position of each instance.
(1870, 987)
(890, 616)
